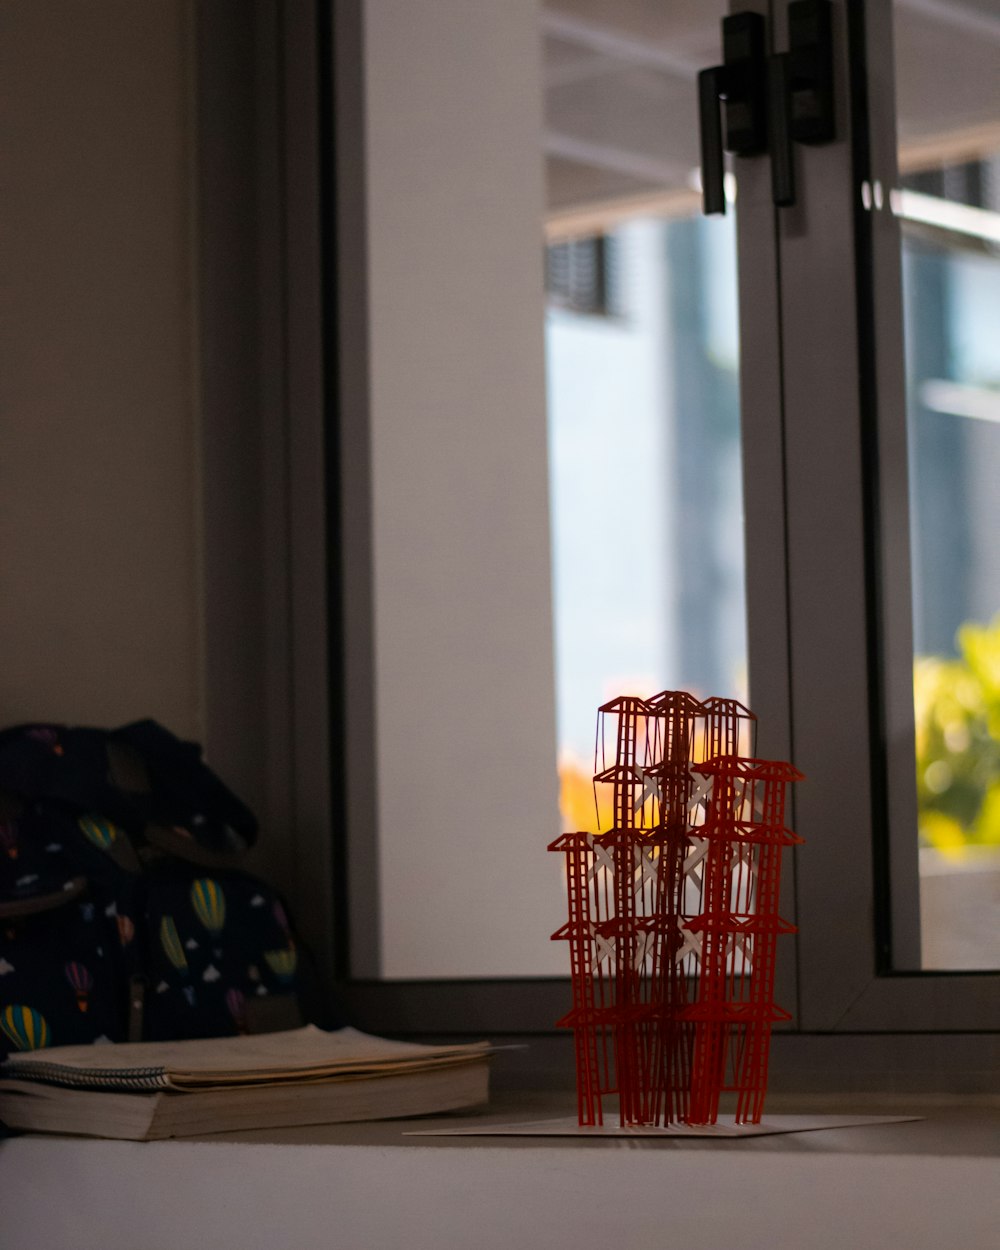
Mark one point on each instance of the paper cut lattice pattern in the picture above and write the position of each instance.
(673, 914)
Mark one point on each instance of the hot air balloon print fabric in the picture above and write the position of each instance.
(236, 1004)
(171, 943)
(96, 914)
(222, 945)
(24, 1027)
(99, 832)
(110, 839)
(57, 946)
(283, 963)
(209, 903)
(8, 838)
(81, 983)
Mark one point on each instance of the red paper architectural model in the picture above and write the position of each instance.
(673, 914)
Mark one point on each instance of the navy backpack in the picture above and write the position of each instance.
(124, 913)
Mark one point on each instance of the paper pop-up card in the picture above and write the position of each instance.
(673, 921)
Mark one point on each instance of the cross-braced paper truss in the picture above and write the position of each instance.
(673, 914)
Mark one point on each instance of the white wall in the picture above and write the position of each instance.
(466, 775)
(99, 541)
(102, 616)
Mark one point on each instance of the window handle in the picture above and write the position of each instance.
(713, 168)
(782, 160)
(769, 101)
(733, 92)
(800, 92)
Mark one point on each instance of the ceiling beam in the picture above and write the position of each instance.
(600, 38)
(958, 16)
(616, 160)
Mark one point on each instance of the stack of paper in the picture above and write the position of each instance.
(147, 1090)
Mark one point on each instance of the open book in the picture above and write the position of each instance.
(148, 1090)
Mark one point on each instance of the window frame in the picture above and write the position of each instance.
(836, 971)
(853, 724)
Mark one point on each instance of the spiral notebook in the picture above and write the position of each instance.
(147, 1090)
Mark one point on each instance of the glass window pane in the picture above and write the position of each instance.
(952, 296)
(643, 394)
(646, 491)
(950, 205)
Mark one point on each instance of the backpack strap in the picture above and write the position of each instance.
(179, 790)
(32, 904)
(68, 766)
(179, 843)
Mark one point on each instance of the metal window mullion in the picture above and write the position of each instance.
(849, 606)
(762, 440)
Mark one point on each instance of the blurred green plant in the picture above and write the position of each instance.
(957, 710)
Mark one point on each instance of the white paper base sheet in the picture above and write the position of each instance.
(568, 1127)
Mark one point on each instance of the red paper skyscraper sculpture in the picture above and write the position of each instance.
(673, 914)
